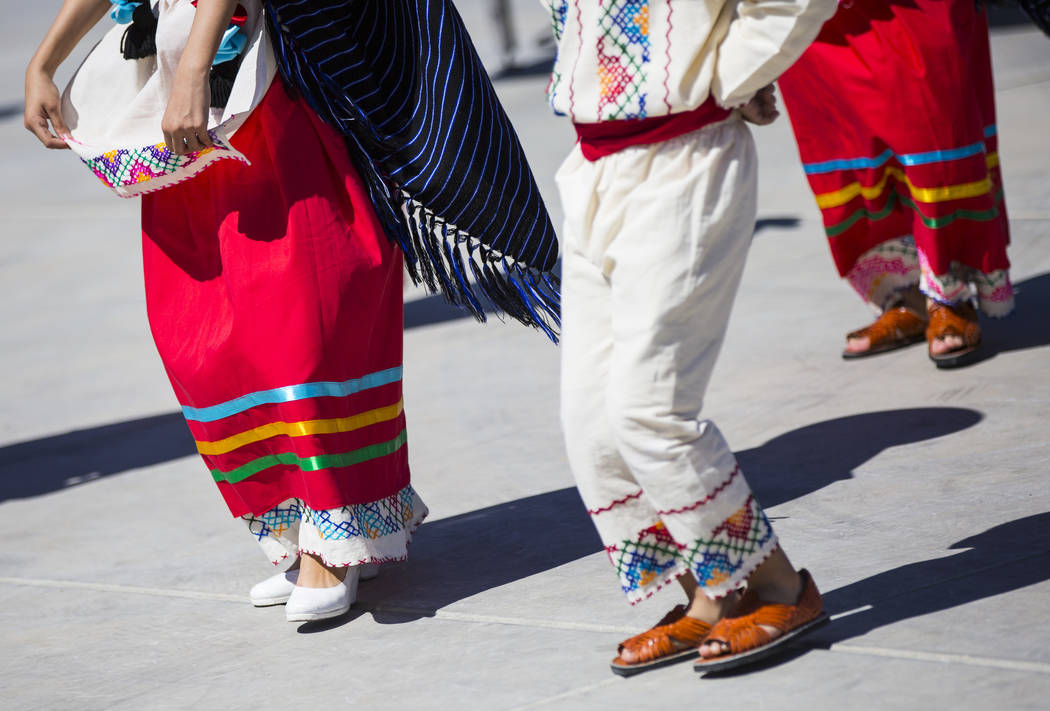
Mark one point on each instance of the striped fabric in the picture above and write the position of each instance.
(850, 190)
(305, 429)
(402, 81)
(893, 107)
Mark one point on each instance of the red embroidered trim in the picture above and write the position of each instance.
(362, 561)
(282, 559)
(706, 499)
(649, 592)
(667, 66)
(614, 504)
(572, 75)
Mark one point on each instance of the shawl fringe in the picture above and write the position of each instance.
(439, 255)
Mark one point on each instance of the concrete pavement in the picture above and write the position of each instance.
(918, 498)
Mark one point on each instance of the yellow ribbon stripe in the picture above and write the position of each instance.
(949, 192)
(300, 429)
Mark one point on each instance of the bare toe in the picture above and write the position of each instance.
(946, 344)
(714, 648)
(627, 656)
(858, 345)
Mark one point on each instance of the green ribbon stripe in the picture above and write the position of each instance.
(931, 222)
(312, 464)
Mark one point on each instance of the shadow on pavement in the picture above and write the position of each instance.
(1007, 557)
(461, 556)
(430, 310)
(1028, 326)
(804, 460)
(49, 464)
(1007, 16)
(780, 222)
(331, 623)
(458, 557)
(539, 68)
(10, 111)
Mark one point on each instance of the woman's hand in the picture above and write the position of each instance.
(43, 112)
(185, 122)
(762, 109)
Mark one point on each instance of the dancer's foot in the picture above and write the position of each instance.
(774, 582)
(900, 325)
(307, 604)
(313, 573)
(953, 335)
(779, 606)
(676, 636)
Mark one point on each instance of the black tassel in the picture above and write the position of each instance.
(426, 266)
(221, 82)
(432, 243)
(140, 39)
(452, 253)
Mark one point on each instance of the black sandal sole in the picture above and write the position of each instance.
(957, 358)
(675, 658)
(752, 656)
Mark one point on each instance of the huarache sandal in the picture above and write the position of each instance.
(895, 328)
(748, 642)
(956, 320)
(673, 639)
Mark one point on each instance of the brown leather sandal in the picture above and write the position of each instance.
(673, 639)
(895, 328)
(748, 642)
(954, 320)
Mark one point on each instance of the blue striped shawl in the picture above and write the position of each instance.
(1039, 11)
(402, 82)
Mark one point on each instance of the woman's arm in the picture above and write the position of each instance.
(185, 122)
(764, 39)
(43, 103)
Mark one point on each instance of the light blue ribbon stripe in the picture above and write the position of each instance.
(905, 159)
(290, 393)
(845, 164)
(990, 131)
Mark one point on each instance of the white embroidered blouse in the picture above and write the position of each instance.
(621, 59)
(114, 106)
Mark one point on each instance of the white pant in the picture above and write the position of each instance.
(654, 242)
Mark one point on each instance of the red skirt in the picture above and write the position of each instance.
(893, 108)
(275, 300)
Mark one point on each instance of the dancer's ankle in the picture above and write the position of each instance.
(313, 573)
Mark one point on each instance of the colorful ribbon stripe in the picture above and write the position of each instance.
(235, 469)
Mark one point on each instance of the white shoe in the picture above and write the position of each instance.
(307, 604)
(276, 589)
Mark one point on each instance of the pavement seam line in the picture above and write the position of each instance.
(567, 694)
(494, 619)
(109, 587)
(361, 605)
(941, 657)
